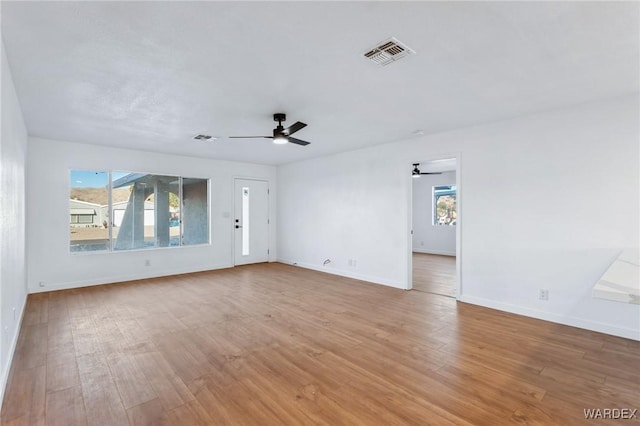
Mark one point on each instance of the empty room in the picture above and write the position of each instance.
(288, 213)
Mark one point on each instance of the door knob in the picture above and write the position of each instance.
(238, 226)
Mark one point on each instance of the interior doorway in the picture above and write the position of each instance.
(251, 224)
(435, 226)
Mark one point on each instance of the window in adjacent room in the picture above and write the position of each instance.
(444, 205)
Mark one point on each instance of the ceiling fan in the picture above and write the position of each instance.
(281, 135)
(416, 171)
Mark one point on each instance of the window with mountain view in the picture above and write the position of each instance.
(119, 210)
(88, 210)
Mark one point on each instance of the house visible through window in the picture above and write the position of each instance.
(444, 205)
(125, 210)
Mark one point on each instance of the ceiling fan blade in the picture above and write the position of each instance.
(431, 173)
(298, 141)
(250, 137)
(294, 128)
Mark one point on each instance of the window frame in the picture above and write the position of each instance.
(435, 198)
(82, 222)
(110, 245)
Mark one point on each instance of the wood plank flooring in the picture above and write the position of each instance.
(434, 273)
(273, 344)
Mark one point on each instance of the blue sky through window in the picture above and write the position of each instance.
(89, 179)
(92, 178)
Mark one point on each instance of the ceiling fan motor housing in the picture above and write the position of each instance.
(279, 117)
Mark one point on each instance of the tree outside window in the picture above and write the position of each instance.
(444, 205)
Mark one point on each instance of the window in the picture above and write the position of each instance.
(245, 221)
(444, 205)
(195, 215)
(88, 198)
(82, 218)
(122, 210)
(144, 206)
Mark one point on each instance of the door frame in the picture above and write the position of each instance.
(233, 215)
(459, 217)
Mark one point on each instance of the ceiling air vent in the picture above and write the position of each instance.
(202, 137)
(388, 51)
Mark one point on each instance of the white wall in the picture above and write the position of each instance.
(570, 204)
(426, 237)
(13, 151)
(346, 206)
(48, 254)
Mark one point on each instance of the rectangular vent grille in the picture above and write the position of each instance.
(388, 51)
(202, 137)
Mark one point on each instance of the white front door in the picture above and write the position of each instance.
(251, 222)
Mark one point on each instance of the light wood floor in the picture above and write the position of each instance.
(272, 344)
(434, 273)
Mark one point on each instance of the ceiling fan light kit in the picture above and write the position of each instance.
(280, 139)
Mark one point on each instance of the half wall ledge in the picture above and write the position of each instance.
(621, 281)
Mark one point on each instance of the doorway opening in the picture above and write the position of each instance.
(435, 226)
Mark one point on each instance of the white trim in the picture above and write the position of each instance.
(409, 182)
(272, 232)
(233, 221)
(627, 333)
(11, 353)
(360, 277)
(151, 248)
(441, 253)
(458, 289)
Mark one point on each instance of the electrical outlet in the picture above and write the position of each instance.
(14, 314)
(543, 294)
(147, 262)
(41, 283)
(353, 263)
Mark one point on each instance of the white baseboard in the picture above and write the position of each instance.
(600, 327)
(442, 253)
(124, 278)
(343, 273)
(12, 349)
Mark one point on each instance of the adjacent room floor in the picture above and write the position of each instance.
(434, 273)
(277, 344)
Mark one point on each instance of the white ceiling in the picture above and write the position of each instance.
(437, 166)
(150, 75)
